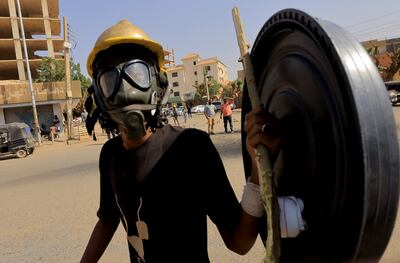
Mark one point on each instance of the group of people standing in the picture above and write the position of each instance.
(226, 114)
(186, 113)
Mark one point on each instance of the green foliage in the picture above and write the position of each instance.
(76, 74)
(52, 69)
(213, 89)
(233, 89)
(387, 73)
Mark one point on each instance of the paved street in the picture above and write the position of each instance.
(48, 202)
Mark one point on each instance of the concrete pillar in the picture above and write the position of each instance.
(2, 118)
(17, 40)
(47, 28)
(57, 111)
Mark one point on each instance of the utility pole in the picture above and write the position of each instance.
(67, 46)
(28, 69)
(205, 72)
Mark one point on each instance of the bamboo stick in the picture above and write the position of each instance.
(262, 156)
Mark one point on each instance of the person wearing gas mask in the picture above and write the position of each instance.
(162, 208)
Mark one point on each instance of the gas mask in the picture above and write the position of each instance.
(131, 92)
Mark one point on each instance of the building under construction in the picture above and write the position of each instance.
(42, 30)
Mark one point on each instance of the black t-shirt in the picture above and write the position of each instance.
(165, 213)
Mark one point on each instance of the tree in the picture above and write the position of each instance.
(52, 69)
(387, 73)
(76, 74)
(233, 89)
(213, 89)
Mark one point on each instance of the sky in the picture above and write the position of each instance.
(206, 27)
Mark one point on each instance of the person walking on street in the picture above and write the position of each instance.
(226, 113)
(189, 110)
(209, 112)
(175, 115)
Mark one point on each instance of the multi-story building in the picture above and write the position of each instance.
(186, 77)
(386, 45)
(42, 28)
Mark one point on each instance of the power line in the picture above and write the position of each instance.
(372, 19)
(370, 34)
(382, 35)
(388, 30)
(391, 23)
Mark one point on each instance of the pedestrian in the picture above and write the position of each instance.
(226, 113)
(84, 115)
(163, 209)
(184, 114)
(189, 110)
(56, 123)
(209, 112)
(175, 115)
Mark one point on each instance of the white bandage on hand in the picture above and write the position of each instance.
(251, 202)
(291, 220)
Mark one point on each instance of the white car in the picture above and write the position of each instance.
(198, 109)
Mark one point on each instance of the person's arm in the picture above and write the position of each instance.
(108, 212)
(99, 240)
(242, 237)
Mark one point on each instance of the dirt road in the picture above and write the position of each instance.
(48, 202)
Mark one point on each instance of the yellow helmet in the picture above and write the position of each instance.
(121, 33)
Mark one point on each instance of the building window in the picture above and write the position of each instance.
(174, 74)
(176, 93)
(208, 68)
(195, 73)
(175, 84)
(194, 63)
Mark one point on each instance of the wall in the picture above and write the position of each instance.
(180, 79)
(190, 77)
(25, 115)
(18, 91)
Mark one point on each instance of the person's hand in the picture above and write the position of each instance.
(262, 128)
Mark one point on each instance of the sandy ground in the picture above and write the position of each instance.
(48, 202)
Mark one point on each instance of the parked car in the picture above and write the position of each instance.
(198, 109)
(393, 89)
(180, 110)
(217, 105)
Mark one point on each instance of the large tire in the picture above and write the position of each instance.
(340, 153)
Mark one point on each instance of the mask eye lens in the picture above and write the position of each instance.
(108, 81)
(139, 73)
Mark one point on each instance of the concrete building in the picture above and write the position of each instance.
(186, 77)
(386, 45)
(42, 28)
